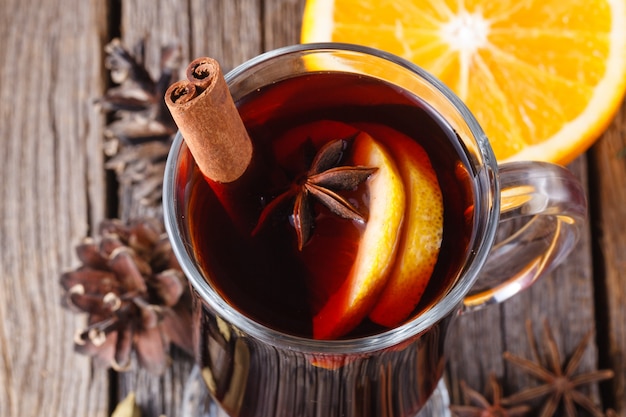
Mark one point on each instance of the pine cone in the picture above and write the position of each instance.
(141, 130)
(135, 293)
(140, 111)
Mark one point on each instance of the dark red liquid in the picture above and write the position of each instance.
(265, 276)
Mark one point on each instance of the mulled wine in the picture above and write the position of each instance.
(364, 210)
(255, 256)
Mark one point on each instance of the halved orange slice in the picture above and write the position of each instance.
(543, 77)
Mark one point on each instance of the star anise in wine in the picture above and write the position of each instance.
(323, 181)
(560, 383)
(479, 406)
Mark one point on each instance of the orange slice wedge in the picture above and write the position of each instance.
(349, 305)
(422, 228)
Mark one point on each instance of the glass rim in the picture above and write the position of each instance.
(444, 306)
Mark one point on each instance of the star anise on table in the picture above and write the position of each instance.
(323, 181)
(560, 384)
(135, 294)
(482, 407)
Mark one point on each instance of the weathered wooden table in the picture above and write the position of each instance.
(54, 190)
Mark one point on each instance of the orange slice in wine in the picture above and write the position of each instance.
(347, 307)
(422, 229)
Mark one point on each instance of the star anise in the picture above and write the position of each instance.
(484, 408)
(135, 294)
(560, 383)
(322, 182)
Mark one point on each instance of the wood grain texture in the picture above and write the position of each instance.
(157, 24)
(608, 159)
(282, 23)
(229, 31)
(52, 191)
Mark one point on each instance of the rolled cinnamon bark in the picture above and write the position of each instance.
(206, 116)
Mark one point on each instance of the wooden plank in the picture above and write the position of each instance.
(52, 192)
(282, 24)
(608, 192)
(157, 24)
(230, 32)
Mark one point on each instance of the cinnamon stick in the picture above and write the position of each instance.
(207, 118)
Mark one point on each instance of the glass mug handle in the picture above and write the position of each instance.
(553, 202)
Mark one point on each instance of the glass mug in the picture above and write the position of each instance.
(255, 370)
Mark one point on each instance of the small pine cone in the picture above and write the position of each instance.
(135, 293)
(137, 101)
(141, 128)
